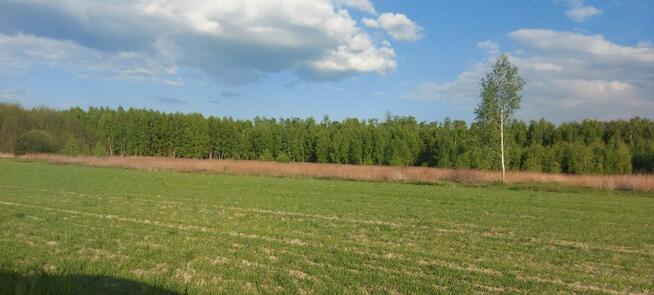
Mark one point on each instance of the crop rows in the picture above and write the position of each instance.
(200, 233)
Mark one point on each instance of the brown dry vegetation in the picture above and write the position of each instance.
(644, 183)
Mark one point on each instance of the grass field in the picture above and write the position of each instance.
(72, 229)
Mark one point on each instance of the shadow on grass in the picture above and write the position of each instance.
(19, 284)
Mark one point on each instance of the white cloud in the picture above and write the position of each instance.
(27, 53)
(579, 12)
(577, 92)
(570, 76)
(368, 59)
(577, 44)
(644, 44)
(462, 92)
(397, 25)
(543, 66)
(175, 83)
(231, 41)
(582, 14)
(370, 23)
(490, 46)
(565, 99)
(363, 5)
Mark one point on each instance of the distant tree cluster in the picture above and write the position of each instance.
(577, 147)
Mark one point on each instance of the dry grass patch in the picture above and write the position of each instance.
(634, 182)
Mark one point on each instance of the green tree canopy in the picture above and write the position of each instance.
(35, 141)
(500, 98)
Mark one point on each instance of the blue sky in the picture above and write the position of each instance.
(342, 58)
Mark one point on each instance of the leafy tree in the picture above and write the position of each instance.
(35, 141)
(13, 123)
(533, 158)
(578, 159)
(70, 148)
(501, 94)
(589, 146)
(550, 161)
(283, 158)
(266, 155)
(618, 158)
(99, 150)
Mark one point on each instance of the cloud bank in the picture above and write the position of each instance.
(569, 76)
(231, 41)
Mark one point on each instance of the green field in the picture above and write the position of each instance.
(71, 229)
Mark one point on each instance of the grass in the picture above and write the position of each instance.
(632, 182)
(71, 229)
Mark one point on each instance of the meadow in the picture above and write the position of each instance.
(68, 229)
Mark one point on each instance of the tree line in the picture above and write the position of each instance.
(589, 146)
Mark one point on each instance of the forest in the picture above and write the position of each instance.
(587, 147)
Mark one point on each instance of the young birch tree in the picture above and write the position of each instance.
(500, 98)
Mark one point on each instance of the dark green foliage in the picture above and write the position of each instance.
(99, 150)
(576, 147)
(283, 158)
(35, 141)
(70, 148)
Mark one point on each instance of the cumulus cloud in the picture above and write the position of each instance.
(569, 76)
(579, 12)
(231, 41)
(490, 46)
(397, 25)
(577, 75)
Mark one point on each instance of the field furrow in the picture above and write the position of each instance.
(200, 233)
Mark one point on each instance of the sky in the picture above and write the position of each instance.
(341, 58)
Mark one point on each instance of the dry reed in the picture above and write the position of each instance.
(643, 183)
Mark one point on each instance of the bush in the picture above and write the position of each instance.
(282, 158)
(71, 147)
(266, 156)
(99, 150)
(35, 141)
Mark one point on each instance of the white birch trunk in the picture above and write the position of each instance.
(502, 144)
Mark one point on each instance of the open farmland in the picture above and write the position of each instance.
(72, 229)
